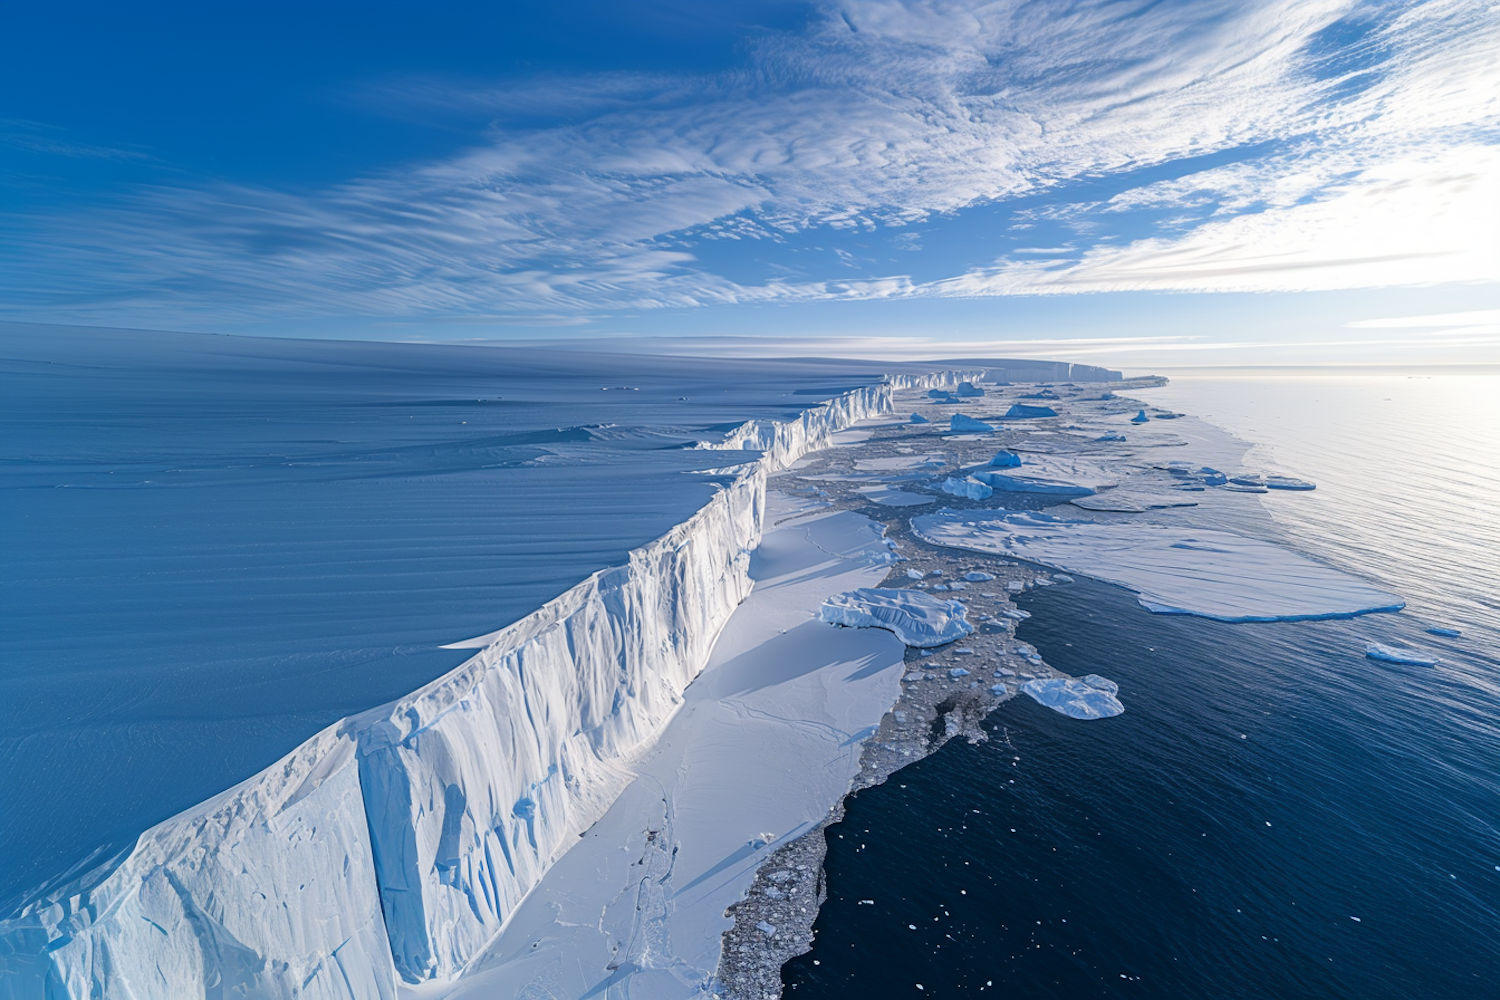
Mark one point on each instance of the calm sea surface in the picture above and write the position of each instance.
(1274, 815)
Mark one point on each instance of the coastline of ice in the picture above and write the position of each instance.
(1205, 572)
(394, 844)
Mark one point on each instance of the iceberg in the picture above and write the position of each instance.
(918, 619)
(1022, 411)
(1288, 483)
(1140, 418)
(1173, 570)
(1389, 654)
(968, 390)
(1090, 697)
(963, 424)
(1005, 460)
(917, 418)
(967, 487)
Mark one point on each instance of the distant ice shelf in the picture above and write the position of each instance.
(1194, 571)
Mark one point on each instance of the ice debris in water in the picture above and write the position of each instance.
(958, 672)
(978, 577)
(1022, 411)
(1088, 697)
(998, 690)
(914, 574)
(917, 418)
(964, 424)
(917, 619)
(1451, 633)
(967, 487)
(1389, 654)
(1005, 460)
(1139, 418)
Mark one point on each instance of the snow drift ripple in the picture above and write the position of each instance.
(397, 842)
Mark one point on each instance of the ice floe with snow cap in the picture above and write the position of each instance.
(1172, 569)
(1089, 697)
(917, 619)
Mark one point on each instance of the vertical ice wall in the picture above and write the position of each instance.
(396, 843)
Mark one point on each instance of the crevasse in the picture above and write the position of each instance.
(394, 844)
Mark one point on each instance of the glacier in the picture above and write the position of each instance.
(392, 846)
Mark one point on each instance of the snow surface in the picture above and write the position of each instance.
(1196, 571)
(917, 618)
(768, 739)
(1090, 697)
(399, 842)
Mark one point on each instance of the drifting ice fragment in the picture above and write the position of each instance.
(1077, 698)
(1111, 436)
(1005, 460)
(1387, 654)
(916, 618)
(1021, 411)
(998, 690)
(1451, 633)
(938, 393)
(958, 672)
(978, 577)
(914, 574)
(967, 487)
(1139, 418)
(1288, 483)
(968, 390)
(964, 424)
(917, 418)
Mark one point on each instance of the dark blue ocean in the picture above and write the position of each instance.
(1274, 815)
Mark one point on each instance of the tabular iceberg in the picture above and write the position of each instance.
(1023, 411)
(918, 619)
(963, 424)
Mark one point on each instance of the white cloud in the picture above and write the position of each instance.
(1384, 177)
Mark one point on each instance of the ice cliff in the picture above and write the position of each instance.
(395, 844)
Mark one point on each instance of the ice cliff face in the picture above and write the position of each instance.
(396, 843)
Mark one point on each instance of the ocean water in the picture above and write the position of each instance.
(1274, 815)
(216, 546)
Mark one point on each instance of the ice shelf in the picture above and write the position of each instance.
(394, 845)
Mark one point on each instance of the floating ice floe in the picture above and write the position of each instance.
(964, 424)
(978, 576)
(1389, 654)
(998, 690)
(1111, 436)
(1288, 483)
(916, 618)
(1060, 475)
(917, 418)
(1089, 697)
(967, 487)
(889, 496)
(958, 672)
(1195, 571)
(1023, 411)
(1139, 418)
(914, 574)
(1451, 633)
(1005, 460)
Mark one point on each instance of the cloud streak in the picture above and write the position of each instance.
(1375, 128)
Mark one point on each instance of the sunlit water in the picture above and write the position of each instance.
(1274, 815)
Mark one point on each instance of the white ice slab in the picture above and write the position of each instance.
(1214, 574)
(889, 496)
(1089, 697)
(766, 742)
(1067, 475)
(916, 618)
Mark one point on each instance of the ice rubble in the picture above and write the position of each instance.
(1088, 697)
(394, 845)
(1197, 571)
(918, 619)
(963, 424)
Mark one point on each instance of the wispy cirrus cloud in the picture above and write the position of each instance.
(1358, 140)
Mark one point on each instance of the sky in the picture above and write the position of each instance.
(1135, 183)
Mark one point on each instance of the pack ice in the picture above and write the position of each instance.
(917, 618)
(1194, 571)
(395, 844)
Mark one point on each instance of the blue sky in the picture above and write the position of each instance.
(1136, 183)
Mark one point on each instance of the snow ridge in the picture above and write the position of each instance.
(395, 844)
